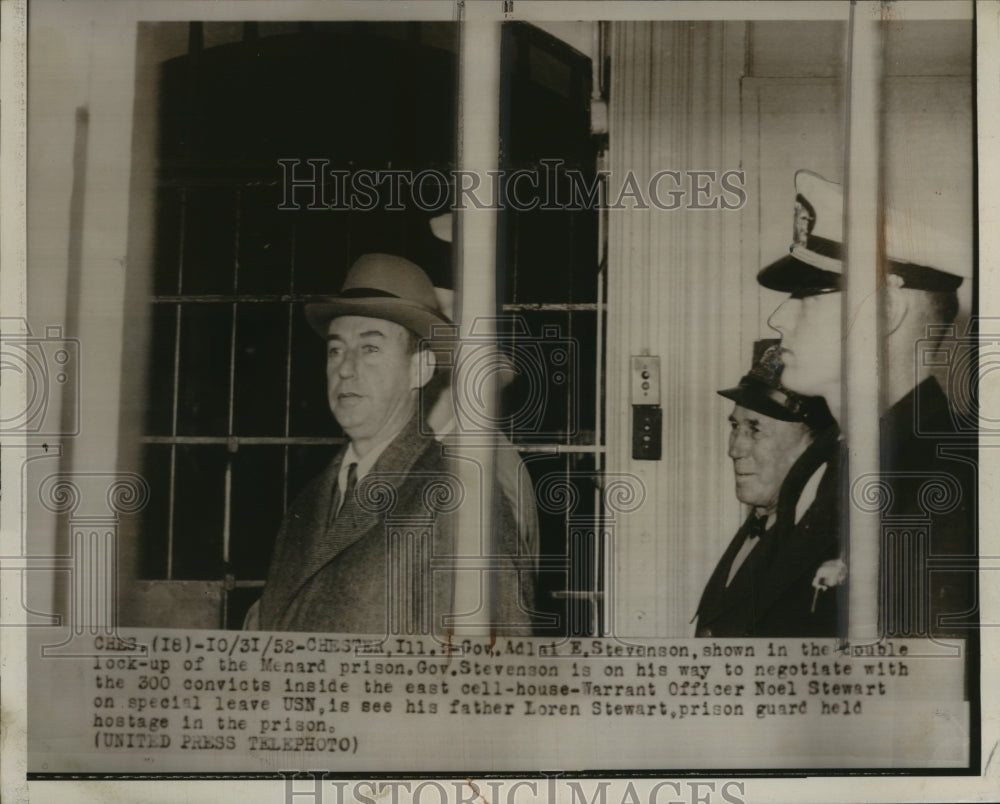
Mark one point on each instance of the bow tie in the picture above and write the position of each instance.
(757, 526)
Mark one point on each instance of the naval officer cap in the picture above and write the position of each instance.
(923, 258)
(761, 391)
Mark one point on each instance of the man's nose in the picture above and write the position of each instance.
(347, 365)
(782, 318)
(738, 444)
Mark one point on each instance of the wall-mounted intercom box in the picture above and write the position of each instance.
(647, 416)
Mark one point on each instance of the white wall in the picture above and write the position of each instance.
(675, 289)
(80, 107)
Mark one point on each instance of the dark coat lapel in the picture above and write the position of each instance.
(310, 537)
(801, 547)
(717, 597)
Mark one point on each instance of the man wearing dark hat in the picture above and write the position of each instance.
(334, 554)
(772, 580)
(919, 444)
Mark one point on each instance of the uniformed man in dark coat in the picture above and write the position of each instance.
(774, 579)
(928, 465)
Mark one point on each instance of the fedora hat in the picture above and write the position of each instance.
(383, 286)
(761, 391)
(923, 256)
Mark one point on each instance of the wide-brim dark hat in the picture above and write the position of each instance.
(761, 391)
(383, 286)
(925, 258)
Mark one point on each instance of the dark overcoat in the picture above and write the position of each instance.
(772, 593)
(929, 546)
(375, 567)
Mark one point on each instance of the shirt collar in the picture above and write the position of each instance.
(769, 516)
(445, 429)
(364, 463)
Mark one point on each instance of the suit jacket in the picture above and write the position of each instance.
(331, 572)
(772, 594)
(920, 446)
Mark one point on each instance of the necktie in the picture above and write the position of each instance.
(350, 486)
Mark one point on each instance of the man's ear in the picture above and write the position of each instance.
(896, 304)
(422, 367)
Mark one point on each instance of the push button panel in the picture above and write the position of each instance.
(645, 380)
(647, 432)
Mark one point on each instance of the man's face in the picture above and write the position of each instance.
(810, 343)
(763, 450)
(370, 376)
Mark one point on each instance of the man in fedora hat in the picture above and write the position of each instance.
(335, 557)
(919, 444)
(771, 581)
